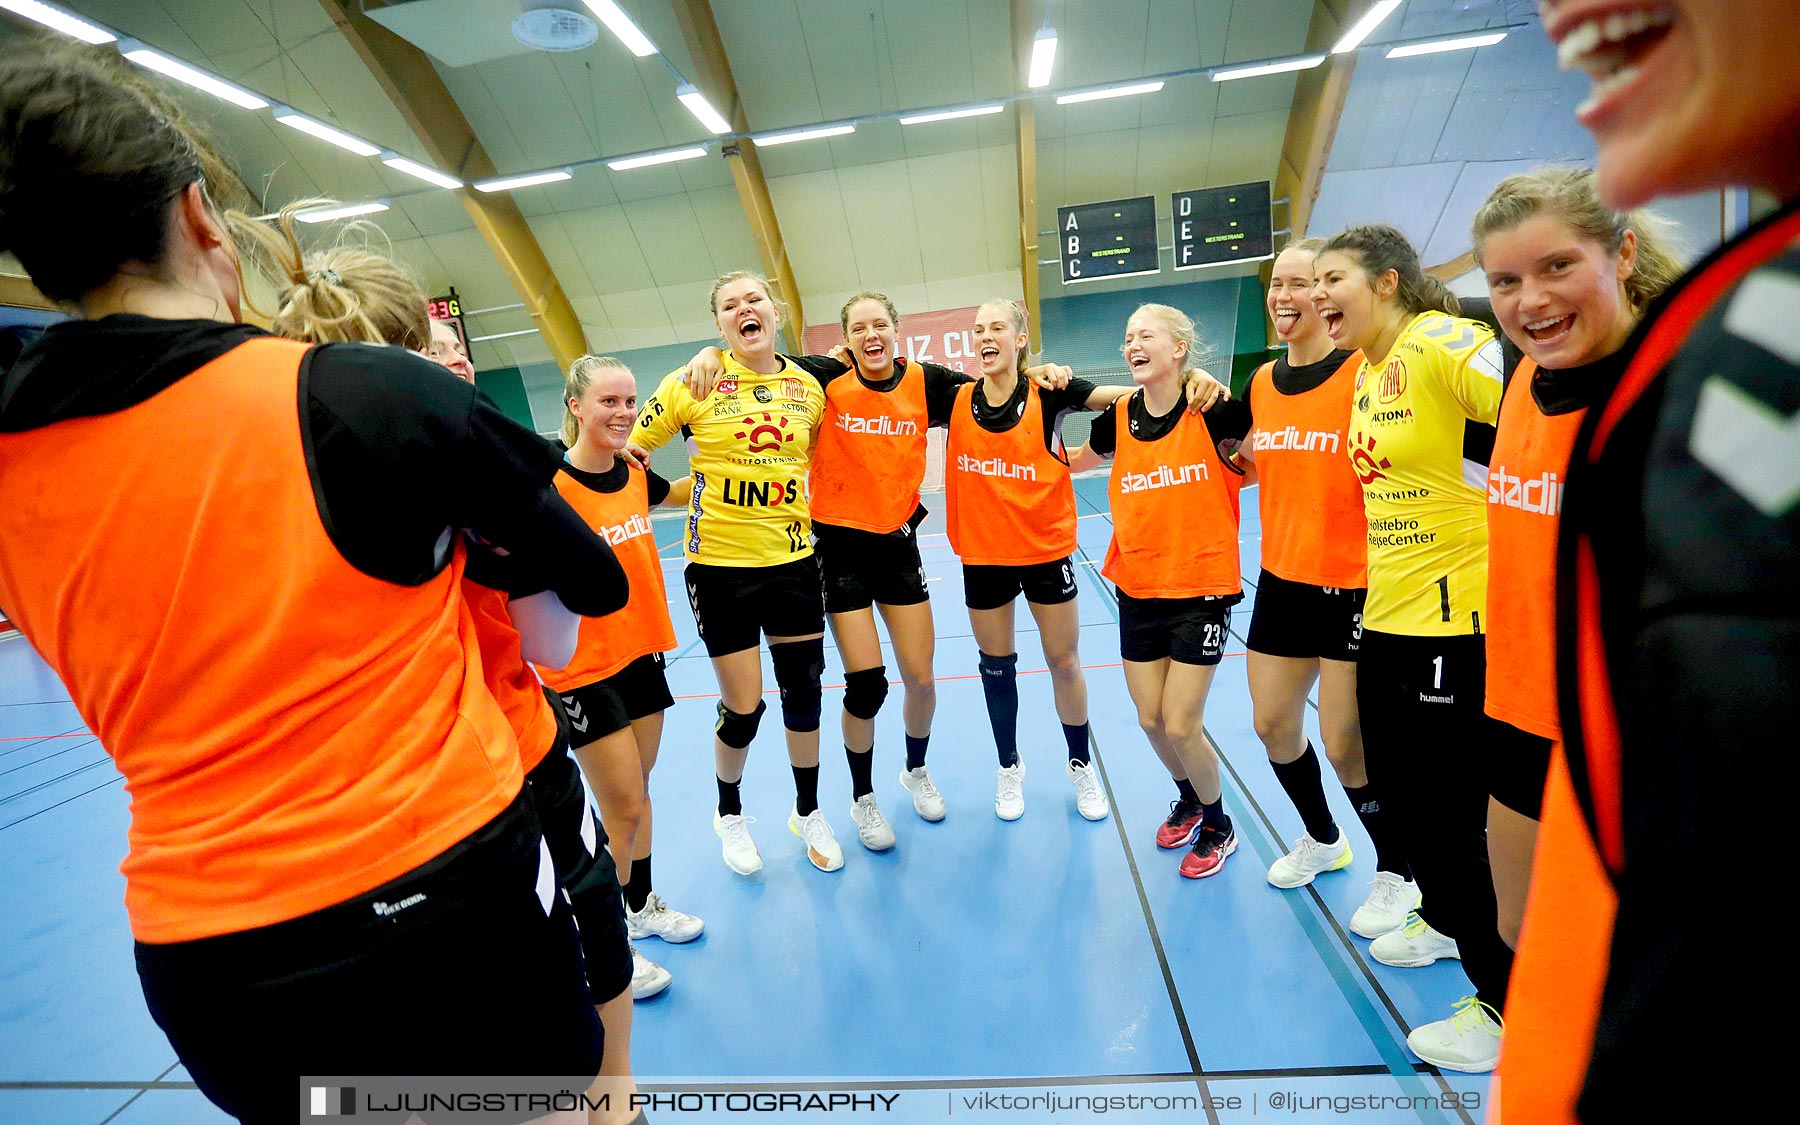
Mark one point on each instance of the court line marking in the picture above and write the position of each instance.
(115, 1113)
(1393, 1051)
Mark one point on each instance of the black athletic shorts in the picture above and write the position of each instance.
(1518, 764)
(990, 587)
(736, 606)
(584, 869)
(460, 966)
(861, 568)
(1186, 630)
(1305, 621)
(595, 710)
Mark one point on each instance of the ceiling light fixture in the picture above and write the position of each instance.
(59, 20)
(803, 135)
(626, 164)
(1043, 57)
(1432, 47)
(1371, 20)
(951, 114)
(349, 210)
(1304, 62)
(419, 171)
(702, 109)
(620, 25)
(198, 79)
(529, 179)
(1110, 92)
(324, 132)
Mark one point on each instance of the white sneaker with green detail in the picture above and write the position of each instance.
(1469, 1041)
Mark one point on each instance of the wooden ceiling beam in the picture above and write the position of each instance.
(1318, 103)
(700, 31)
(1025, 148)
(414, 86)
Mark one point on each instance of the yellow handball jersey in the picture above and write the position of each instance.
(1421, 429)
(750, 442)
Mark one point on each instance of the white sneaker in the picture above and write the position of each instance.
(927, 801)
(871, 826)
(1468, 1041)
(1413, 945)
(740, 850)
(656, 919)
(1308, 860)
(1090, 802)
(1009, 795)
(1387, 906)
(647, 977)
(821, 843)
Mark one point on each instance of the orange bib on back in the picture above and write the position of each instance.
(609, 643)
(292, 731)
(869, 458)
(1174, 511)
(1311, 502)
(513, 684)
(1008, 499)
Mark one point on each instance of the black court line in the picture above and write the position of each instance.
(1343, 940)
(27, 741)
(103, 760)
(61, 803)
(157, 1086)
(47, 757)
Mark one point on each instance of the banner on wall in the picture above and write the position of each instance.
(945, 337)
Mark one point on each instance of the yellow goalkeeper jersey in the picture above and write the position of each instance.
(1421, 431)
(750, 443)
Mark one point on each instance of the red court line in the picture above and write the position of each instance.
(41, 737)
(937, 679)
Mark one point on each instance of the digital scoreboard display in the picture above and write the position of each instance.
(449, 308)
(1223, 224)
(1103, 240)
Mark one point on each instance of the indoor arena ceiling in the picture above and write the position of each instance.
(928, 212)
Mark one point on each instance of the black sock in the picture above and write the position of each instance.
(862, 769)
(999, 683)
(1300, 778)
(1077, 738)
(637, 892)
(915, 751)
(806, 790)
(1389, 855)
(730, 803)
(1187, 791)
(1213, 815)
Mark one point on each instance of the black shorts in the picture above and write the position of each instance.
(1303, 621)
(736, 606)
(584, 868)
(1518, 765)
(1186, 630)
(457, 967)
(861, 568)
(595, 710)
(990, 587)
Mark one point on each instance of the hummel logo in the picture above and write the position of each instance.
(1749, 445)
(577, 721)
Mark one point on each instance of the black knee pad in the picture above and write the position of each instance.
(864, 691)
(738, 731)
(799, 666)
(999, 667)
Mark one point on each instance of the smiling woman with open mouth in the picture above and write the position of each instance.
(1678, 637)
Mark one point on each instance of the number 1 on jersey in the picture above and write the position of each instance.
(1437, 677)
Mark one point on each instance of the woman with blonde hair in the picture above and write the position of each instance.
(751, 573)
(614, 692)
(1173, 557)
(345, 292)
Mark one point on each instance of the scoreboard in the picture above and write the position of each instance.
(1223, 224)
(449, 308)
(1107, 240)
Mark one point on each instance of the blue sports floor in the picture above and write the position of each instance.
(978, 965)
